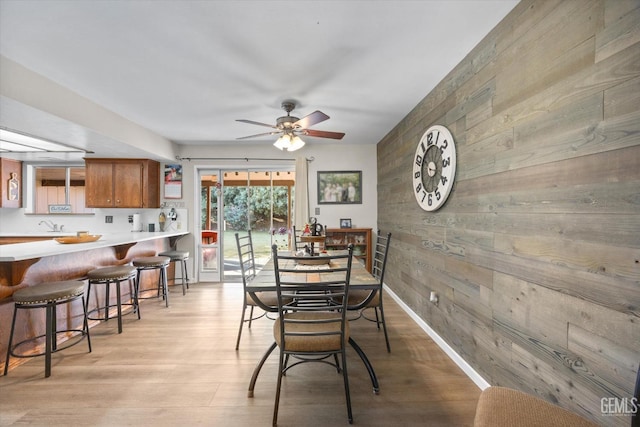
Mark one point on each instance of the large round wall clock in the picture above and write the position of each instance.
(434, 168)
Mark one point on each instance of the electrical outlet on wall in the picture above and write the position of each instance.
(433, 297)
(317, 211)
(108, 219)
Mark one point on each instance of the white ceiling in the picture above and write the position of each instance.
(187, 70)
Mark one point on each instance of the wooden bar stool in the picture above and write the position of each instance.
(105, 276)
(180, 257)
(48, 296)
(154, 263)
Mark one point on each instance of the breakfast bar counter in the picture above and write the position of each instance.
(28, 264)
(16, 259)
(30, 250)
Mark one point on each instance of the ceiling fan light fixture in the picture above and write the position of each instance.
(289, 142)
(283, 142)
(290, 127)
(296, 143)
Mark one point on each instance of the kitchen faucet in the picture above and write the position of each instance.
(51, 225)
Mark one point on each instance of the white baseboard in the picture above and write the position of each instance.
(457, 359)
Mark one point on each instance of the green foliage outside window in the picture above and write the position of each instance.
(237, 212)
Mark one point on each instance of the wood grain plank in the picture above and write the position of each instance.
(620, 166)
(553, 51)
(595, 79)
(622, 295)
(594, 318)
(614, 363)
(622, 99)
(546, 383)
(614, 262)
(555, 357)
(468, 103)
(618, 35)
(611, 198)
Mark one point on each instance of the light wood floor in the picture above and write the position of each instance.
(178, 367)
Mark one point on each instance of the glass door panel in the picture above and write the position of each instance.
(282, 185)
(236, 219)
(261, 219)
(210, 239)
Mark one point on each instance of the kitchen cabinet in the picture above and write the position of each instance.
(339, 238)
(11, 190)
(122, 183)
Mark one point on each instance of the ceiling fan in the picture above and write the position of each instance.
(290, 128)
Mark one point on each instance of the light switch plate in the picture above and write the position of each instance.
(317, 211)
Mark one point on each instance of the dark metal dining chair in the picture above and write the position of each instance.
(298, 244)
(373, 299)
(311, 326)
(248, 272)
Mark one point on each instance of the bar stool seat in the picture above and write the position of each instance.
(105, 276)
(154, 263)
(180, 257)
(48, 296)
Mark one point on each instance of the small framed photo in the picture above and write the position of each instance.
(345, 223)
(173, 181)
(339, 187)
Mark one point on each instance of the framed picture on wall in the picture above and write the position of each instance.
(172, 181)
(339, 187)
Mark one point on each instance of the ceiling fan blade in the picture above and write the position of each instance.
(259, 135)
(324, 134)
(251, 122)
(311, 119)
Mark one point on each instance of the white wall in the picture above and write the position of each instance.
(16, 222)
(327, 157)
(346, 158)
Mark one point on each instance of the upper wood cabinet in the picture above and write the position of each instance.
(122, 183)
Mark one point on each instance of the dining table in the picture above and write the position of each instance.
(361, 279)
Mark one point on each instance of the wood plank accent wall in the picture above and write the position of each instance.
(536, 254)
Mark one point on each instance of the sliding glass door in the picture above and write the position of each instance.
(234, 201)
(260, 201)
